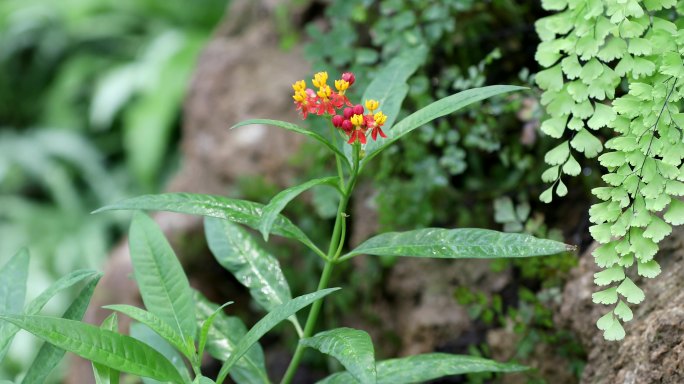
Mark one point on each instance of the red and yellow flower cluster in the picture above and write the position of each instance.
(350, 119)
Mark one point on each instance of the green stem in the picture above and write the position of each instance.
(338, 161)
(336, 240)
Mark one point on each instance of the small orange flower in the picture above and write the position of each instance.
(359, 130)
(378, 121)
(341, 86)
(303, 99)
(372, 105)
(320, 79)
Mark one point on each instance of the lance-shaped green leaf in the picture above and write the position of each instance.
(239, 211)
(429, 366)
(49, 355)
(436, 109)
(271, 211)
(58, 286)
(108, 348)
(351, 347)
(103, 374)
(35, 305)
(205, 326)
(145, 334)
(156, 324)
(13, 277)
(224, 334)
(238, 252)
(458, 244)
(163, 285)
(275, 316)
(389, 88)
(293, 128)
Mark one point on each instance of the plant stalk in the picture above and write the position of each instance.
(336, 240)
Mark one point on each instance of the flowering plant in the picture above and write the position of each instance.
(189, 325)
(353, 122)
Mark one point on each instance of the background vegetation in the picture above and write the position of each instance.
(90, 105)
(90, 100)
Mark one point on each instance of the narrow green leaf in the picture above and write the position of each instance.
(389, 88)
(58, 286)
(163, 285)
(224, 334)
(458, 244)
(13, 278)
(103, 374)
(271, 211)
(206, 325)
(239, 211)
(437, 109)
(351, 347)
(49, 355)
(156, 324)
(39, 302)
(275, 316)
(145, 334)
(429, 366)
(108, 348)
(237, 251)
(294, 128)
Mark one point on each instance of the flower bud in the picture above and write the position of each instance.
(347, 126)
(348, 77)
(348, 112)
(337, 120)
(358, 109)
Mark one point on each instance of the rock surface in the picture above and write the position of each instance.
(653, 350)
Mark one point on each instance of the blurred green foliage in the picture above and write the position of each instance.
(90, 100)
(113, 70)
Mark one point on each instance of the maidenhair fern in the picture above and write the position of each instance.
(591, 50)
